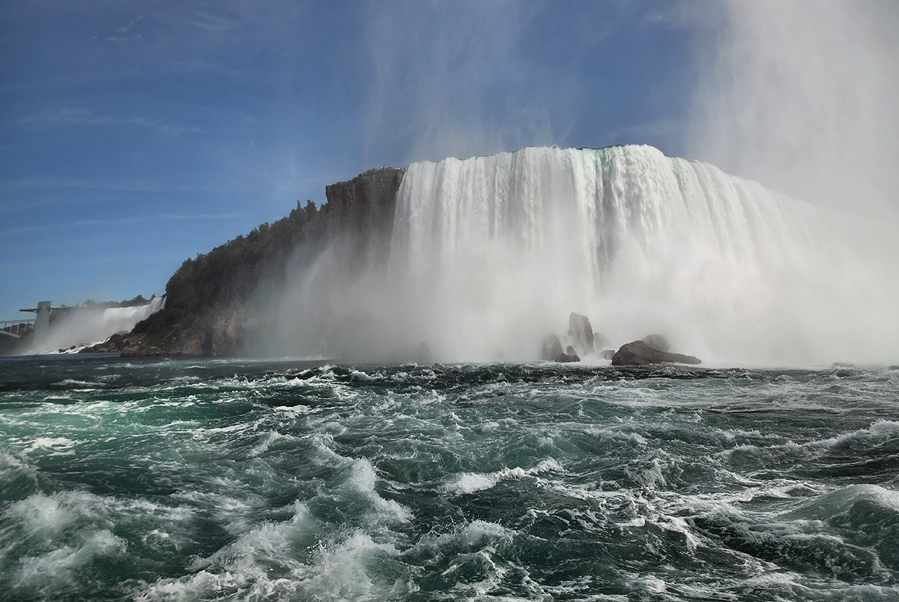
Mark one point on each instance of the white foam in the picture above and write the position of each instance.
(363, 479)
(54, 570)
(470, 482)
(54, 445)
(272, 561)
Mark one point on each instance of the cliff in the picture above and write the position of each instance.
(214, 300)
(362, 212)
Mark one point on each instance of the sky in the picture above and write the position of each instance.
(137, 134)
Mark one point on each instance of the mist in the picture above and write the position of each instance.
(81, 326)
(801, 96)
(488, 255)
(789, 261)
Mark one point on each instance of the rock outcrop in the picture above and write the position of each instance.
(581, 332)
(639, 353)
(552, 351)
(227, 336)
(209, 297)
(362, 211)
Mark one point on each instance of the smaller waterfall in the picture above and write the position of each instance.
(80, 327)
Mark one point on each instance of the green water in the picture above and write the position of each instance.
(251, 480)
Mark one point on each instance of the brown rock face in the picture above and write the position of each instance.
(362, 211)
(226, 336)
(639, 353)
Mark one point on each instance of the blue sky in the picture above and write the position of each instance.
(134, 135)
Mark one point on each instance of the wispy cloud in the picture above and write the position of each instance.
(120, 221)
(128, 32)
(85, 117)
(210, 22)
(59, 227)
(80, 263)
(122, 186)
(202, 216)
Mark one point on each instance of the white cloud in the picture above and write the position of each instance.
(69, 116)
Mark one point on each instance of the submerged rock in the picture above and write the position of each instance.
(581, 332)
(639, 353)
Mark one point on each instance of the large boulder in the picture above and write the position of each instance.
(639, 353)
(581, 332)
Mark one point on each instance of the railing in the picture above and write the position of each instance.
(15, 328)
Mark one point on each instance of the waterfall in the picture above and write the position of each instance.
(81, 326)
(489, 254)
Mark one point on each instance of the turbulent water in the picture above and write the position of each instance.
(490, 254)
(253, 480)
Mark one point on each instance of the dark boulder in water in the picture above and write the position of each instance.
(570, 355)
(658, 342)
(639, 353)
(581, 332)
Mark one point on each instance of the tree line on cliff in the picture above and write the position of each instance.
(215, 300)
(221, 285)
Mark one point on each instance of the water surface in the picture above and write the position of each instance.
(126, 479)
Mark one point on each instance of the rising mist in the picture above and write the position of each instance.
(488, 255)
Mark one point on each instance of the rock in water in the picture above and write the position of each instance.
(570, 355)
(657, 341)
(552, 347)
(552, 350)
(639, 353)
(581, 332)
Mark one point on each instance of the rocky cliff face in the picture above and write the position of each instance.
(362, 211)
(210, 310)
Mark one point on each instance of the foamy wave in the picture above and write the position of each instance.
(285, 561)
(470, 482)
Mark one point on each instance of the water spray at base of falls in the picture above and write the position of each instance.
(80, 327)
(490, 254)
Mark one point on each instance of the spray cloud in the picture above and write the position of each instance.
(489, 254)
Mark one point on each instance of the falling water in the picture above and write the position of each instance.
(490, 254)
(86, 326)
(496, 251)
